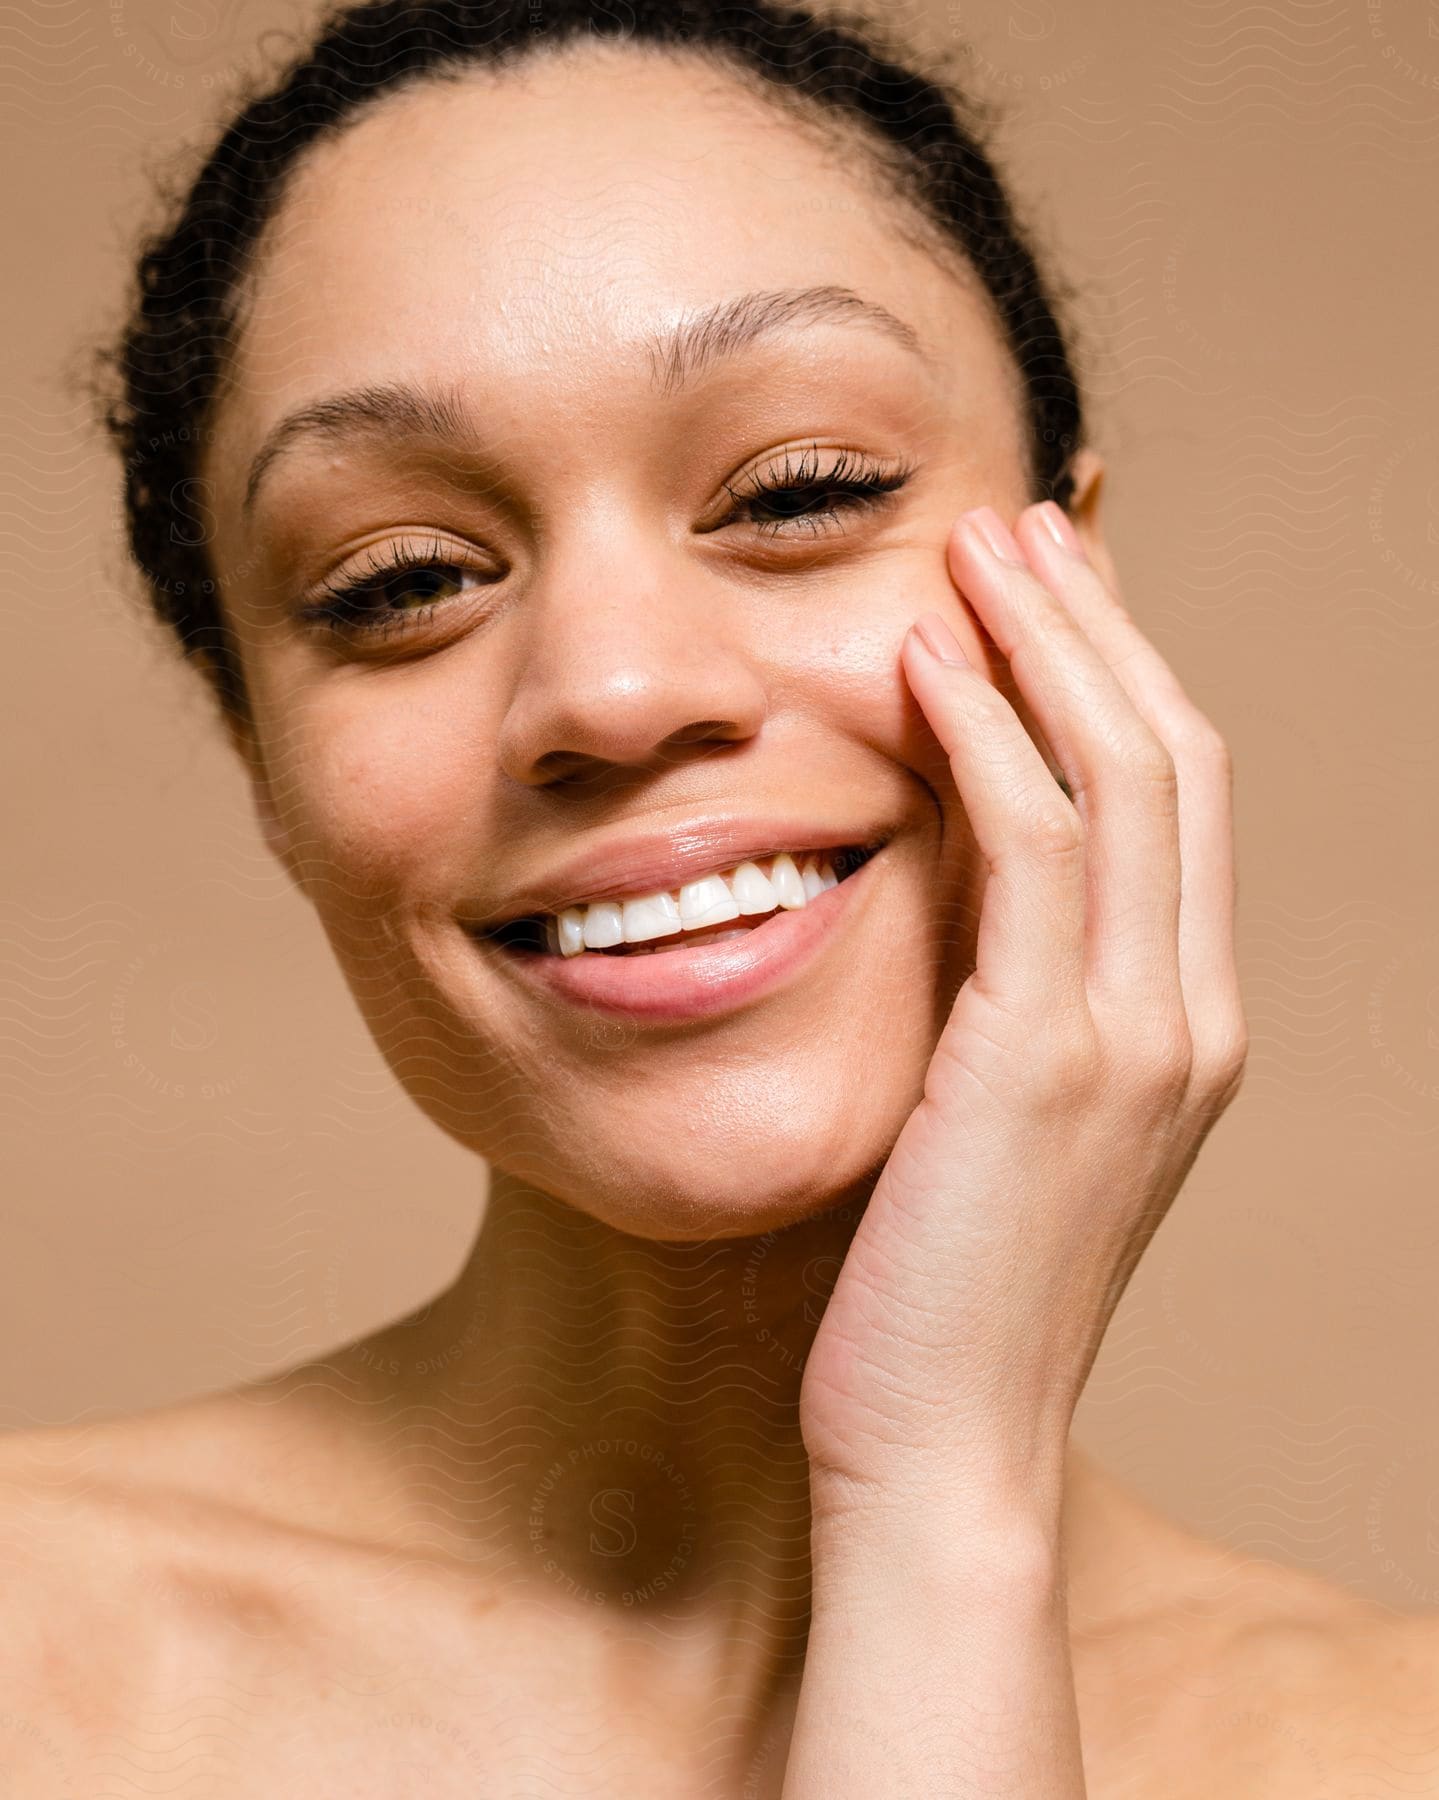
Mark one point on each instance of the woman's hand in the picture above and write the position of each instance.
(1098, 1039)
(1096, 1042)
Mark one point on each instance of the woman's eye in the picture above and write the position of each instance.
(422, 586)
(400, 587)
(391, 592)
(810, 495)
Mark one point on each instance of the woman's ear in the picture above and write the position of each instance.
(1088, 469)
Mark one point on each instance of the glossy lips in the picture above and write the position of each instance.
(701, 981)
(642, 862)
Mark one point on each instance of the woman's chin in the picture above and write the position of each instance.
(696, 1212)
(716, 1223)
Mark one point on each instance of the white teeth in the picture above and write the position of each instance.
(707, 901)
(744, 891)
(604, 925)
(786, 881)
(571, 928)
(655, 915)
(752, 889)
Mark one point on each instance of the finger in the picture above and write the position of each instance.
(1030, 946)
(1121, 776)
(1207, 963)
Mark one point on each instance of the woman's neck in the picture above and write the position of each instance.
(610, 1426)
(613, 1423)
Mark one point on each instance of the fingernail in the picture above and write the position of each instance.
(994, 534)
(1056, 522)
(938, 639)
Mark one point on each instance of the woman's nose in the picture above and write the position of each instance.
(628, 670)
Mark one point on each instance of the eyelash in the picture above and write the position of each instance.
(347, 607)
(856, 480)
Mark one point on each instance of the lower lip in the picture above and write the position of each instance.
(673, 986)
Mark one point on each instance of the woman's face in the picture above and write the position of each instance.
(465, 309)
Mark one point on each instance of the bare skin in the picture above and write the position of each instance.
(203, 1575)
(554, 1534)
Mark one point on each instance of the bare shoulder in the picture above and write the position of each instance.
(1202, 1670)
(175, 1612)
(1267, 1683)
(187, 1610)
(214, 1501)
(110, 1575)
(109, 1529)
(222, 1468)
(1345, 1698)
(236, 1521)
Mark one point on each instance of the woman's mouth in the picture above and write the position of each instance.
(724, 904)
(715, 944)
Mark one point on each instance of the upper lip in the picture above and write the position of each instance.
(644, 862)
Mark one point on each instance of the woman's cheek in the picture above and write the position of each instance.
(852, 670)
(383, 794)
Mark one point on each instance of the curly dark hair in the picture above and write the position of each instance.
(159, 381)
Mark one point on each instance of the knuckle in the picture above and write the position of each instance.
(1069, 1070)
(1202, 743)
(1147, 762)
(1173, 1063)
(1206, 739)
(1052, 831)
(1219, 1070)
(1160, 1057)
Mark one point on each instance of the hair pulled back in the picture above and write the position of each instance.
(161, 378)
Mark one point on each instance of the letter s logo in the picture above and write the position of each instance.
(191, 500)
(614, 1508)
(1031, 22)
(193, 1025)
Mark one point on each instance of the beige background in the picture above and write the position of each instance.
(210, 1172)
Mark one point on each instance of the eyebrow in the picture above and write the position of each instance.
(676, 356)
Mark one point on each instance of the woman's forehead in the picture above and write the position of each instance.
(570, 212)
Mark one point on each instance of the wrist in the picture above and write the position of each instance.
(945, 1543)
(981, 1498)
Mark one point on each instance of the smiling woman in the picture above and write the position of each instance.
(652, 624)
